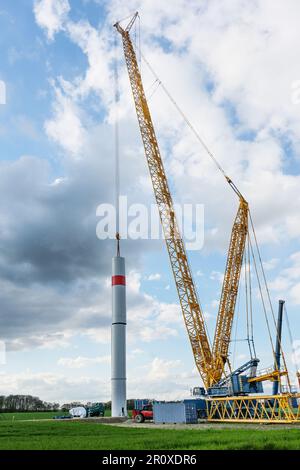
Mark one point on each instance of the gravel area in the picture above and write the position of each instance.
(205, 425)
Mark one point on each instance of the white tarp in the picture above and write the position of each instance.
(78, 412)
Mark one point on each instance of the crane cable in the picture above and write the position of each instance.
(249, 308)
(249, 313)
(262, 298)
(155, 90)
(137, 40)
(247, 301)
(117, 147)
(192, 128)
(250, 297)
(236, 328)
(127, 17)
(270, 302)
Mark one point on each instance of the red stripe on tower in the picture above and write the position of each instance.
(118, 281)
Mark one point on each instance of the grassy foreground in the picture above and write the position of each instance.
(48, 435)
(29, 415)
(17, 416)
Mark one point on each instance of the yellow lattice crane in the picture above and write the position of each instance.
(210, 362)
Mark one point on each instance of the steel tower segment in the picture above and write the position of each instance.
(118, 338)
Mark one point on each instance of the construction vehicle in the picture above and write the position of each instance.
(97, 409)
(224, 387)
(143, 410)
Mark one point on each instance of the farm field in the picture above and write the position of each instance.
(28, 415)
(42, 434)
(35, 415)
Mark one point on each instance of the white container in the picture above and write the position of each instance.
(174, 412)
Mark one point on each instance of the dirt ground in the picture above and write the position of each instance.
(202, 425)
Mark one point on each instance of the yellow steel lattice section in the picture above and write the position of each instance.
(230, 290)
(268, 374)
(262, 409)
(191, 310)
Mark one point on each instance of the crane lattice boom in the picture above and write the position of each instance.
(230, 290)
(209, 364)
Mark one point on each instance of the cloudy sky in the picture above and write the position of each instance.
(233, 67)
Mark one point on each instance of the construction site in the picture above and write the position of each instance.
(179, 363)
(227, 395)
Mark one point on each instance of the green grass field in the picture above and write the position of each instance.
(28, 415)
(49, 435)
(36, 415)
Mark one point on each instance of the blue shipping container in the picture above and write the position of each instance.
(199, 402)
(139, 404)
(201, 406)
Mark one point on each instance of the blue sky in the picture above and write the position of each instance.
(231, 68)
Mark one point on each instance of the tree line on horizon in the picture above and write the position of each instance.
(31, 403)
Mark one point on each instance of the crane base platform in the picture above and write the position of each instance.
(255, 409)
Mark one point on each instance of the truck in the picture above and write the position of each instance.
(143, 410)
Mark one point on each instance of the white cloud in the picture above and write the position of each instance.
(215, 303)
(59, 181)
(95, 45)
(160, 369)
(271, 264)
(256, 165)
(56, 387)
(280, 284)
(163, 379)
(148, 319)
(65, 127)
(81, 362)
(231, 108)
(135, 353)
(154, 277)
(208, 316)
(286, 284)
(216, 276)
(295, 293)
(152, 331)
(51, 14)
(59, 340)
(133, 281)
(2, 92)
(296, 353)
